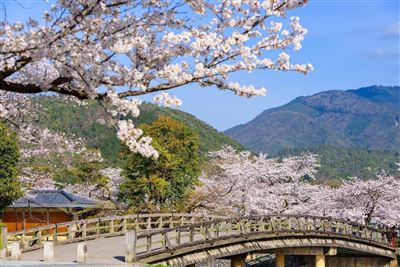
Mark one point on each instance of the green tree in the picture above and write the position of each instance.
(163, 183)
(9, 155)
(81, 169)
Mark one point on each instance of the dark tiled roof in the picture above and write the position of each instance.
(52, 199)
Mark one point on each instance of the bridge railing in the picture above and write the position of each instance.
(75, 231)
(167, 240)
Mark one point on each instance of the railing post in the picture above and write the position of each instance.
(229, 227)
(272, 223)
(298, 226)
(3, 241)
(124, 226)
(149, 223)
(384, 238)
(160, 223)
(163, 241)
(48, 251)
(70, 234)
(16, 251)
(207, 235)
(81, 253)
(137, 223)
(98, 227)
(55, 234)
(39, 237)
(191, 234)
(323, 225)
(346, 229)
(23, 240)
(279, 224)
(149, 243)
(111, 226)
(365, 232)
(178, 237)
(289, 224)
(241, 227)
(84, 230)
(130, 244)
(308, 225)
(166, 243)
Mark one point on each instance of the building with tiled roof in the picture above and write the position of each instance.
(41, 207)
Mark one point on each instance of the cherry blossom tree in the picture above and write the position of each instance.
(107, 191)
(38, 145)
(23, 113)
(375, 200)
(240, 183)
(116, 50)
(34, 180)
(243, 183)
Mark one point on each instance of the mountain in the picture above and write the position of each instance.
(90, 123)
(366, 118)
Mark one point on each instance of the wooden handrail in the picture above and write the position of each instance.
(79, 230)
(149, 225)
(168, 240)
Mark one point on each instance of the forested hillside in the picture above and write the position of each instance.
(365, 118)
(342, 163)
(90, 122)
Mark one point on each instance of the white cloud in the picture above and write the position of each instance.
(380, 53)
(393, 30)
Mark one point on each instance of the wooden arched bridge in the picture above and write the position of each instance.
(188, 239)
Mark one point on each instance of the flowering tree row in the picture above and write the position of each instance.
(45, 153)
(245, 184)
(117, 50)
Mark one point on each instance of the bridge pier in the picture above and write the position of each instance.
(238, 261)
(320, 261)
(280, 260)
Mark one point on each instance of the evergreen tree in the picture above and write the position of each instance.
(10, 189)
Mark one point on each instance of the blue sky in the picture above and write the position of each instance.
(350, 43)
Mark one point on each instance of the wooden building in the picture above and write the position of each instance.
(42, 207)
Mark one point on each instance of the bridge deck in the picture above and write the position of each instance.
(104, 250)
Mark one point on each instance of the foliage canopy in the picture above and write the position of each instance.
(163, 183)
(9, 156)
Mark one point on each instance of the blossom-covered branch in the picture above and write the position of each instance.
(113, 50)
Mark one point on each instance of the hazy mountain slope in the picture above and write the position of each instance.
(364, 118)
(90, 123)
